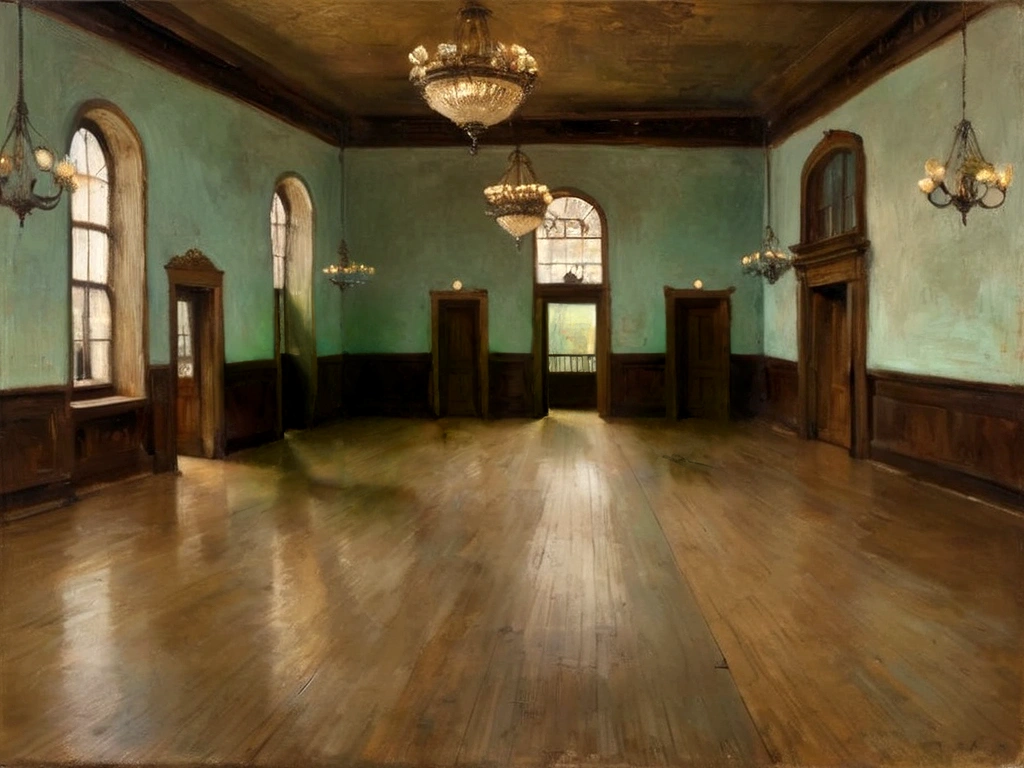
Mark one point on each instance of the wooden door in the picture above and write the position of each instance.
(830, 365)
(458, 358)
(702, 348)
(189, 401)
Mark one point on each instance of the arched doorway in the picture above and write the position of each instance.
(571, 322)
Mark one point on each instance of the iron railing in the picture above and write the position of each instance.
(572, 363)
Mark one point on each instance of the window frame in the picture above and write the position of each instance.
(287, 226)
(833, 143)
(559, 194)
(101, 388)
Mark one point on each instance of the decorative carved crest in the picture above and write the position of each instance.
(192, 259)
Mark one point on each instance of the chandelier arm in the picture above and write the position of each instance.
(981, 199)
(938, 203)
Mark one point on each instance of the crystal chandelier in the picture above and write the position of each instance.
(345, 274)
(20, 161)
(967, 179)
(770, 262)
(518, 203)
(474, 82)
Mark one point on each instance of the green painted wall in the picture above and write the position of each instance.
(674, 215)
(944, 299)
(211, 163)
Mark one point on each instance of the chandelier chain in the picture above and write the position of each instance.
(21, 58)
(963, 75)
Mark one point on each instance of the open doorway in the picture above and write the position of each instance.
(572, 355)
(196, 314)
(698, 349)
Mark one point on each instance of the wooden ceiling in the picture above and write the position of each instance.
(608, 68)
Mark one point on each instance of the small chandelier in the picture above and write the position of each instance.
(967, 179)
(345, 274)
(770, 262)
(20, 161)
(518, 203)
(474, 82)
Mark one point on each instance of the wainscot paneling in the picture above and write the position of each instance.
(250, 403)
(110, 436)
(961, 434)
(386, 385)
(35, 449)
(511, 385)
(781, 391)
(160, 442)
(638, 384)
(329, 388)
(746, 386)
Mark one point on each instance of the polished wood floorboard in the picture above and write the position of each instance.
(558, 592)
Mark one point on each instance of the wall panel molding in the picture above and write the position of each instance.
(250, 403)
(638, 384)
(386, 385)
(511, 384)
(965, 435)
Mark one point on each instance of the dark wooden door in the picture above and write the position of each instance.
(830, 365)
(702, 345)
(189, 405)
(458, 358)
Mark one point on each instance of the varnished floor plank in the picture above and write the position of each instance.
(516, 593)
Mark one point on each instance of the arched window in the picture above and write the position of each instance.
(291, 245)
(279, 238)
(833, 189)
(833, 196)
(92, 321)
(108, 256)
(570, 243)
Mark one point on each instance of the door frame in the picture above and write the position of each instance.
(673, 298)
(483, 345)
(839, 260)
(193, 269)
(555, 293)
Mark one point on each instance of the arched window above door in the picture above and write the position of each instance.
(833, 189)
(570, 244)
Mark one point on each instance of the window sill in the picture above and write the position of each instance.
(102, 407)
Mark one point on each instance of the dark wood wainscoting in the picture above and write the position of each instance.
(638, 384)
(250, 403)
(511, 385)
(36, 463)
(160, 439)
(781, 398)
(746, 386)
(961, 434)
(386, 385)
(330, 387)
(110, 436)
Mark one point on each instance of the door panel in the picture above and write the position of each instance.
(458, 358)
(830, 366)
(702, 365)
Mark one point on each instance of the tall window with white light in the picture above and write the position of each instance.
(91, 294)
(570, 243)
(279, 238)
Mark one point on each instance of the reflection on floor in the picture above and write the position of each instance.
(556, 592)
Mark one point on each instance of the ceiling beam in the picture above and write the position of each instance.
(668, 132)
(919, 28)
(233, 73)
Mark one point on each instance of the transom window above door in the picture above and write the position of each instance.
(570, 243)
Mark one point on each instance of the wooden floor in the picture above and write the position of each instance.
(558, 592)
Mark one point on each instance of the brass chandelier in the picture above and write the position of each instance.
(346, 273)
(20, 162)
(473, 81)
(770, 261)
(966, 179)
(517, 202)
